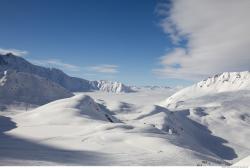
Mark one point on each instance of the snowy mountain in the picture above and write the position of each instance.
(28, 88)
(12, 62)
(219, 104)
(130, 129)
(110, 86)
(204, 124)
(73, 84)
(71, 111)
(225, 82)
(78, 131)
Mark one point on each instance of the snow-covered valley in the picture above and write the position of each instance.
(125, 83)
(50, 118)
(128, 129)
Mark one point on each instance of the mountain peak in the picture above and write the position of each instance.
(110, 86)
(14, 63)
(227, 81)
(224, 82)
(10, 54)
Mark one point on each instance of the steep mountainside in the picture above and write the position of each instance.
(11, 62)
(73, 84)
(29, 88)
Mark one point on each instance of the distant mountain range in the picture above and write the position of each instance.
(40, 85)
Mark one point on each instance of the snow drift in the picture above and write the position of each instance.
(75, 110)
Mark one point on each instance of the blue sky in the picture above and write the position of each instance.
(86, 33)
(96, 39)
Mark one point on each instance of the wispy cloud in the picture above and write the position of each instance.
(217, 34)
(56, 63)
(16, 52)
(104, 68)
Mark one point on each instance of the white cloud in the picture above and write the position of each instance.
(218, 38)
(56, 63)
(104, 68)
(15, 52)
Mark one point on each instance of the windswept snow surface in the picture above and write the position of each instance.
(81, 131)
(77, 110)
(243, 162)
(221, 104)
(98, 128)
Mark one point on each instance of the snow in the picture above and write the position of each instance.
(18, 87)
(225, 82)
(205, 124)
(243, 162)
(130, 103)
(3, 79)
(221, 104)
(11, 62)
(76, 131)
(109, 86)
(76, 110)
(19, 64)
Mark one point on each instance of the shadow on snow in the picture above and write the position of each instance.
(14, 148)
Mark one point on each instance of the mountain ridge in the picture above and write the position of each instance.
(21, 87)
(73, 84)
(224, 82)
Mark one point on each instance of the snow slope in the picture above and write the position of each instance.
(130, 129)
(31, 89)
(76, 110)
(76, 131)
(201, 124)
(225, 82)
(221, 104)
(243, 162)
